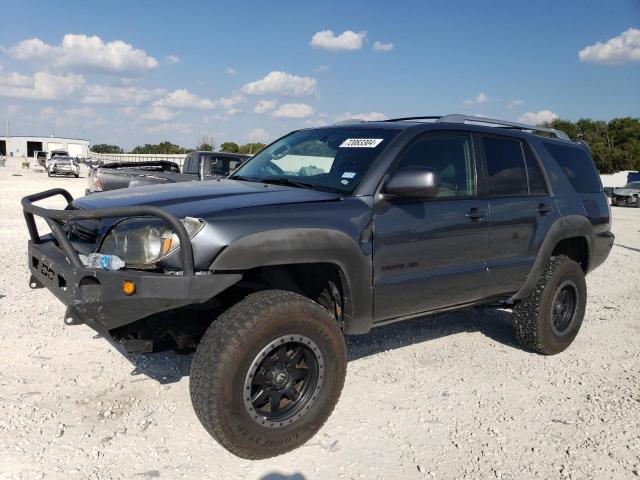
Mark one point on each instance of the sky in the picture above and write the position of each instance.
(130, 73)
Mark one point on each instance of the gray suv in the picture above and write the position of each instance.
(327, 232)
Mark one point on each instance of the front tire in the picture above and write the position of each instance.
(268, 373)
(548, 320)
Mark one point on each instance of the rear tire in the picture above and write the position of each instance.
(276, 347)
(548, 321)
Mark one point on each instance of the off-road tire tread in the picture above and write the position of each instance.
(216, 348)
(527, 313)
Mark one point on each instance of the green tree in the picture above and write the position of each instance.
(231, 147)
(615, 145)
(166, 148)
(106, 148)
(251, 148)
(205, 147)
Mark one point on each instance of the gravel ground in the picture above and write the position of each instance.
(451, 396)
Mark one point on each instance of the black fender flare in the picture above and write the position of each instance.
(310, 245)
(570, 226)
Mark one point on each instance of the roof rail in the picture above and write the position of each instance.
(461, 118)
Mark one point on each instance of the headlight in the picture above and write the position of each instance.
(141, 242)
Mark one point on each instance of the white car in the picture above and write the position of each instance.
(60, 165)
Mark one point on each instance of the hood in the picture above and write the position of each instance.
(626, 191)
(201, 199)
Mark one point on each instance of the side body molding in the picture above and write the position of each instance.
(565, 227)
(310, 245)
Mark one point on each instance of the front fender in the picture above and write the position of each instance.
(309, 245)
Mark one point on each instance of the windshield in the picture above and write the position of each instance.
(329, 159)
(633, 185)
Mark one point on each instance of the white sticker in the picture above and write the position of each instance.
(344, 182)
(348, 174)
(361, 142)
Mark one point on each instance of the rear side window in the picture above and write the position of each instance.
(577, 166)
(537, 185)
(507, 176)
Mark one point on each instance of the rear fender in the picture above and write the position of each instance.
(565, 227)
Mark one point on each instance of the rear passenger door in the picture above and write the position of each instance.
(521, 211)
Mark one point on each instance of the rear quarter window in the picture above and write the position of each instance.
(577, 165)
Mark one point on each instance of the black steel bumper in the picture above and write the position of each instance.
(94, 296)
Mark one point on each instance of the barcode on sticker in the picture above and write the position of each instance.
(361, 143)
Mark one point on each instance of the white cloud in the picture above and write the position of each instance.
(317, 122)
(293, 110)
(231, 71)
(182, 98)
(346, 41)
(128, 111)
(535, 118)
(230, 102)
(48, 113)
(282, 83)
(14, 79)
(479, 99)
(84, 112)
(618, 50)
(42, 86)
(170, 127)
(382, 47)
(367, 117)
(514, 103)
(110, 95)
(264, 106)
(87, 53)
(258, 135)
(321, 68)
(157, 113)
(172, 59)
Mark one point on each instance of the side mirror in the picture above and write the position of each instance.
(414, 182)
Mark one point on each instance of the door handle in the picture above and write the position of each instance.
(543, 208)
(476, 214)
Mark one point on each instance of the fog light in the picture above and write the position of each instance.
(128, 287)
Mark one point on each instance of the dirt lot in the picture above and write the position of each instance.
(445, 397)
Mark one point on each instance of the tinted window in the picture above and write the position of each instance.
(577, 166)
(450, 156)
(505, 166)
(537, 185)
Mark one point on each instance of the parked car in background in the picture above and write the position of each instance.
(627, 196)
(63, 165)
(197, 166)
(52, 154)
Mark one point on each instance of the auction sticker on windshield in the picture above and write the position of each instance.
(361, 143)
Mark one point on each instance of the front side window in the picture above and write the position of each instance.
(507, 176)
(329, 159)
(451, 156)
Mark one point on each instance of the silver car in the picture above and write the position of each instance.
(627, 196)
(60, 165)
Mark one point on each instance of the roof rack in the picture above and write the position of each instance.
(461, 118)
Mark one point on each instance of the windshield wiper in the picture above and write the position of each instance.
(289, 182)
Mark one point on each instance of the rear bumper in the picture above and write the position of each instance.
(601, 246)
(95, 297)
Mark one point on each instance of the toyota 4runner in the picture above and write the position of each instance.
(326, 232)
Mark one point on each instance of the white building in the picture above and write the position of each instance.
(24, 146)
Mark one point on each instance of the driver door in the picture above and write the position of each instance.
(431, 254)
